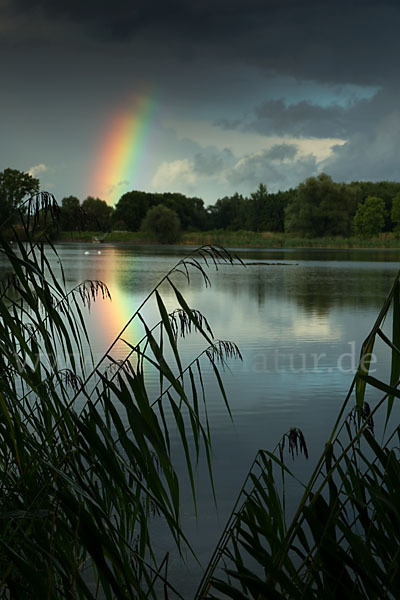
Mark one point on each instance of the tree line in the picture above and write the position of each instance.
(316, 207)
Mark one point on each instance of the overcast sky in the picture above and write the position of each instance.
(241, 92)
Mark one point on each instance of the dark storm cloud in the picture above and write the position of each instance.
(122, 19)
(308, 120)
(372, 154)
(327, 41)
(210, 162)
(69, 64)
(281, 152)
(301, 120)
(207, 164)
(277, 173)
(229, 123)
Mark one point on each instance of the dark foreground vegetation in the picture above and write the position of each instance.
(86, 458)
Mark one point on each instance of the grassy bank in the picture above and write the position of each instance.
(237, 239)
(268, 239)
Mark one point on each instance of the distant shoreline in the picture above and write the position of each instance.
(239, 239)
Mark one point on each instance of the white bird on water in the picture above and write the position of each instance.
(87, 252)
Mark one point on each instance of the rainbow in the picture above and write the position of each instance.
(111, 316)
(120, 161)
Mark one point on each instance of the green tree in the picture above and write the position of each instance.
(320, 207)
(395, 212)
(71, 214)
(164, 223)
(273, 215)
(259, 207)
(370, 216)
(230, 212)
(386, 190)
(132, 207)
(191, 211)
(98, 213)
(14, 186)
(85, 452)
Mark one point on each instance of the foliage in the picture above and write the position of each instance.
(264, 239)
(343, 539)
(320, 207)
(386, 190)
(395, 212)
(261, 212)
(163, 223)
(85, 450)
(317, 207)
(119, 226)
(370, 216)
(230, 212)
(14, 187)
(275, 210)
(71, 214)
(131, 208)
(86, 457)
(259, 207)
(97, 213)
(191, 211)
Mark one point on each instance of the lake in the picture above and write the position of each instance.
(299, 325)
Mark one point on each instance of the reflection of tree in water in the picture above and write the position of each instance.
(319, 290)
(315, 289)
(322, 254)
(256, 282)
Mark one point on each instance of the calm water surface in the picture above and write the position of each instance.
(299, 326)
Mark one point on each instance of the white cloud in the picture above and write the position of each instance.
(211, 162)
(280, 167)
(245, 142)
(277, 173)
(40, 168)
(175, 173)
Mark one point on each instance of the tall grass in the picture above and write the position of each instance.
(86, 463)
(343, 540)
(268, 239)
(85, 453)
